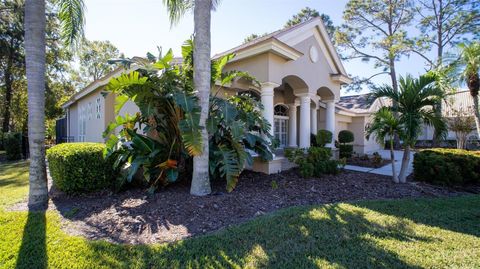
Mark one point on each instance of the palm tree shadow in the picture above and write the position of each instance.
(33, 251)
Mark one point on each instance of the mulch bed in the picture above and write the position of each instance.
(173, 214)
(369, 163)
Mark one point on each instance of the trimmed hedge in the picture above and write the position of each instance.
(346, 150)
(345, 136)
(447, 166)
(324, 137)
(79, 167)
(13, 146)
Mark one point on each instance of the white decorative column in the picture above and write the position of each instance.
(267, 102)
(292, 125)
(305, 121)
(313, 120)
(330, 120)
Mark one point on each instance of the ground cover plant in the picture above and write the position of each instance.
(411, 233)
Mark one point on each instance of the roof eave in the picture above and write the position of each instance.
(272, 45)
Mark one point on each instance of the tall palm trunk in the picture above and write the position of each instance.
(201, 79)
(405, 162)
(476, 109)
(35, 63)
(392, 158)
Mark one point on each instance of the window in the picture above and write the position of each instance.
(82, 123)
(281, 110)
(89, 110)
(98, 107)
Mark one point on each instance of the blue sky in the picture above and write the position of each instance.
(139, 26)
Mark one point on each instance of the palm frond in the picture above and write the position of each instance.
(72, 20)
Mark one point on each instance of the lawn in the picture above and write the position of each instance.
(411, 233)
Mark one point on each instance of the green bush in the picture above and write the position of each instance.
(315, 163)
(447, 166)
(79, 167)
(345, 136)
(13, 146)
(346, 150)
(324, 137)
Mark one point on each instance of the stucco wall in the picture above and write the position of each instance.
(95, 124)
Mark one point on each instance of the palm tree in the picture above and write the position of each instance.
(71, 17)
(202, 73)
(383, 125)
(470, 60)
(415, 101)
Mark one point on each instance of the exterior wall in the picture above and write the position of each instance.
(95, 124)
(73, 122)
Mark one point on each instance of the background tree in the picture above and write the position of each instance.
(375, 30)
(72, 21)
(253, 37)
(444, 24)
(470, 62)
(307, 14)
(12, 58)
(93, 58)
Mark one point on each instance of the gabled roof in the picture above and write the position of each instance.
(285, 38)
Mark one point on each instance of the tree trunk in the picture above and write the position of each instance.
(405, 161)
(477, 114)
(393, 77)
(8, 99)
(201, 79)
(35, 63)
(392, 158)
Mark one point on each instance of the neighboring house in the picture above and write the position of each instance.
(363, 107)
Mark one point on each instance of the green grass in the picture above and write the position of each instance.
(13, 182)
(412, 233)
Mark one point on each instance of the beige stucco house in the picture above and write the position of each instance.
(300, 73)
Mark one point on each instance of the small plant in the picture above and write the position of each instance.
(13, 146)
(274, 184)
(377, 159)
(344, 138)
(323, 138)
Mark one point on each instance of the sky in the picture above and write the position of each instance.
(136, 27)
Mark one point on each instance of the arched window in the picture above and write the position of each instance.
(252, 94)
(281, 110)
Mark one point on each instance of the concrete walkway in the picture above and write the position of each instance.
(387, 169)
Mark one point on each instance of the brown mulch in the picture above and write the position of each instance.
(369, 163)
(173, 214)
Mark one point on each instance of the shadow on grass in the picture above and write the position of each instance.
(460, 214)
(313, 237)
(33, 251)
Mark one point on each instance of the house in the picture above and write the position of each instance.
(300, 73)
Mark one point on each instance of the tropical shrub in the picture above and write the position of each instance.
(169, 115)
(13, 146)
(447, 166)
(323, 138)
(316, 162)
(79, 167)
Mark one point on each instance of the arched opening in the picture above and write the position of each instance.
(280, 125)
(325, 93)
(298, 85)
